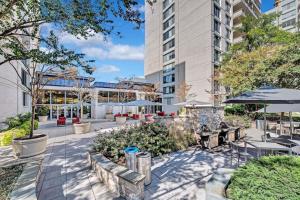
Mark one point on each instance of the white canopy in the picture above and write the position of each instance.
(142, 103)
(193, 103)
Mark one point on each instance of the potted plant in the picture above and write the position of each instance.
(43, 113)
(81, 128)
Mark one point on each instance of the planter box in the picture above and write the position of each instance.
(82, 128)
(43, 118)
(109, 116)
(231, 135)
(120, 120)
(119, 179)
(29, 147)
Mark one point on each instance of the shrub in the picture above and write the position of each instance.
(235, 109)
(272, 178)
(13, 122)
(6, 137)
(154, 138)
(26, 125)
(42, 111)
(236, 120)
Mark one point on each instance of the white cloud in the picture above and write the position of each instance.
(107, 69)
(103, 48)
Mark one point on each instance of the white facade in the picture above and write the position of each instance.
(190, 35)
(289, 11)
(13, 97)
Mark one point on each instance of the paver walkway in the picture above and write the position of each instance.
(66, 174)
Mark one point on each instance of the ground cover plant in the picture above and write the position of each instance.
(8, 177)
(154, 138)
(272, 178)
(18, 126)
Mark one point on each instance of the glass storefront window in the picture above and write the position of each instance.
(44, 97)
(58, 97)
(113, 97)
(103, 97)
(71, 97)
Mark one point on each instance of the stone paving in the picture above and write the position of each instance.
(66, 174)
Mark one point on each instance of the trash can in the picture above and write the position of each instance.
(130, 155)
(144, 165)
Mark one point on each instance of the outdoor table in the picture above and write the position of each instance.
(283, 141)
(266, 146)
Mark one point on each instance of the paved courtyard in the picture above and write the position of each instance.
(66, 173)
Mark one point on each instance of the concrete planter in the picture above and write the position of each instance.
(82, 128)
(121, 120)
(109, 116)
(24, 147)
(43, 118)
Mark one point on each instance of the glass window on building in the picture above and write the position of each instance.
(169, 56)
(168, 101)
(25, 99)
(217, 2)
(44, 97)
(168, 68)
(102, 96)
(288, 6)
(290, 22)
(113, 97)
(169, 22)
(86, 97)
(58, 97)
(71, 97)
(217, 11)
(217, 55)
(169, 12)
(169, 45)
(217, 26)
(228, 33)
(24, 77)
(166, 3)
(169, 78)
(227, 20)
(169, 89)
(227, 6)
(217, 41)
(169, 34)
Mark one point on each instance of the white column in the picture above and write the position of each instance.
(50, 105)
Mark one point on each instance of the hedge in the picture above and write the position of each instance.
(272, 178)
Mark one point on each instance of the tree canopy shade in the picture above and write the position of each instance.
(267, 56)
(21, 19)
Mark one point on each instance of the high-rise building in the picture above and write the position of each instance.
(289, 14)
(184, 40)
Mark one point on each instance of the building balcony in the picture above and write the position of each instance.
(247, 6)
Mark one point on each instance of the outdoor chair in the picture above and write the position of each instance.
(161, 114)
(135, 116)
(296, 150)
(269, 136)
(237, 152)
(61, 121)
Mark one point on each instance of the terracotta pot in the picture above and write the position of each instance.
(25, 147)
(120, 120)
(43, 118)
(82, 128)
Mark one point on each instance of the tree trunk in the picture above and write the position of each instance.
(32, 120)
(81, 110)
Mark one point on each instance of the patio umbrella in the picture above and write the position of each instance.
(280, 108)
(267, 95)
(193, 103)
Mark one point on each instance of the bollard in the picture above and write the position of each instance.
(130, 155)
(144, 166)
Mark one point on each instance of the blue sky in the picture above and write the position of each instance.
(119, 57)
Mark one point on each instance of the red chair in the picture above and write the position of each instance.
(75, 120)
(117, 115)
(161, 114)
(173, 114)
(61, 121)
(135, 116)
(125, 115)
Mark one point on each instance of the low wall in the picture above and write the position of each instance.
(25, 188)
(119, 179)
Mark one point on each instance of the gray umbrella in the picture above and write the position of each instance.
(267, 95)
(193, 103)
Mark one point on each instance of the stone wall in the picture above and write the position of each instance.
(119, 179)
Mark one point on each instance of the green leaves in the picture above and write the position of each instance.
(272, 177)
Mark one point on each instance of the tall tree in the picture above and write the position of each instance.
(267, 55)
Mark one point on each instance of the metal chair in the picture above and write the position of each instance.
(296, 150)
(237, 152)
